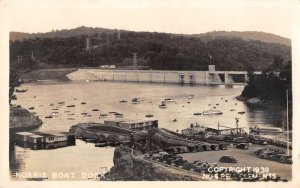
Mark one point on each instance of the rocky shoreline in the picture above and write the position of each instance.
(21, 119)
(128, 167)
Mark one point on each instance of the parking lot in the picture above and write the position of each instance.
(245, 158)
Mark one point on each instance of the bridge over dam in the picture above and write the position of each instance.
(210, 77)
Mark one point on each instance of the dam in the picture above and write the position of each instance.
(210, 77)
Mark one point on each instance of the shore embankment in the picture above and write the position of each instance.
(43, 75)
(21, 119)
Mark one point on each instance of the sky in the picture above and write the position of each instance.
(171, 16)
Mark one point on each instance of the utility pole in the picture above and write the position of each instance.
(134, 61)
(87, 44)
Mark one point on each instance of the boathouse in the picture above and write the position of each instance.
(36, 137)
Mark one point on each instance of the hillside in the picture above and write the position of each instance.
(61, 33)
(160, 51)
(246, 35)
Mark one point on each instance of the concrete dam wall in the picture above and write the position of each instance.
(155, 76)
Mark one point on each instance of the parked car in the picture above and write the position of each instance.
(227, 159)
(266, 154)
(276, 157)
(286, 159)
(242, 146)
(263, 142)
(239, 139)
(258, 151)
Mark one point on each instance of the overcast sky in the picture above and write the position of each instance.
(172, 16)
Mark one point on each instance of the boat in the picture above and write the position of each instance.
(162, 105)
(70, 106)
(91, 140)
(136, 101)
(103, 114)
(83, 103)
(54, 113)
(61, 103)
(48, 117)
(241, 112)
(83, 113)
(197, 113)
(212, 112)
(102, 144)
(95, 110)
(232, 110)
(191, 96)
(169, 100)
(123, 101)
(118, 115)
(266, 130)
(31, 108)
(149, 115)
(21, 90)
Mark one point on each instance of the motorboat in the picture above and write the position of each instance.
(136, 101)
(241, 112)
(149, 115)
(191, 96)
(212, 112)
(169, 100)
(266, 130)
(21, 90)
(197, 113)
(123, 101)
(162, 105)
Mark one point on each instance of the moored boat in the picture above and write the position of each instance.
(265, 130)
(136, 101)
(212, 112)
(169, 100)
(197, 113)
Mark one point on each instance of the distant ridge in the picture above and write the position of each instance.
(245, 35)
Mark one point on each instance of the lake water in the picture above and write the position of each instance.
(105, 96)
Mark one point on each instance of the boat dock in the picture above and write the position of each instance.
(37, 137)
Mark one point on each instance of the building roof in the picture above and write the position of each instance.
(24, 133)
(130, 121)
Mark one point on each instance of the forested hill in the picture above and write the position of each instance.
(154, 50)
(245, 35)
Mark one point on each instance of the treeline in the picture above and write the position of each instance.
(272, 84)
(154, 50)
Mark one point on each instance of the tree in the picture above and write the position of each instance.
(13, 83)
